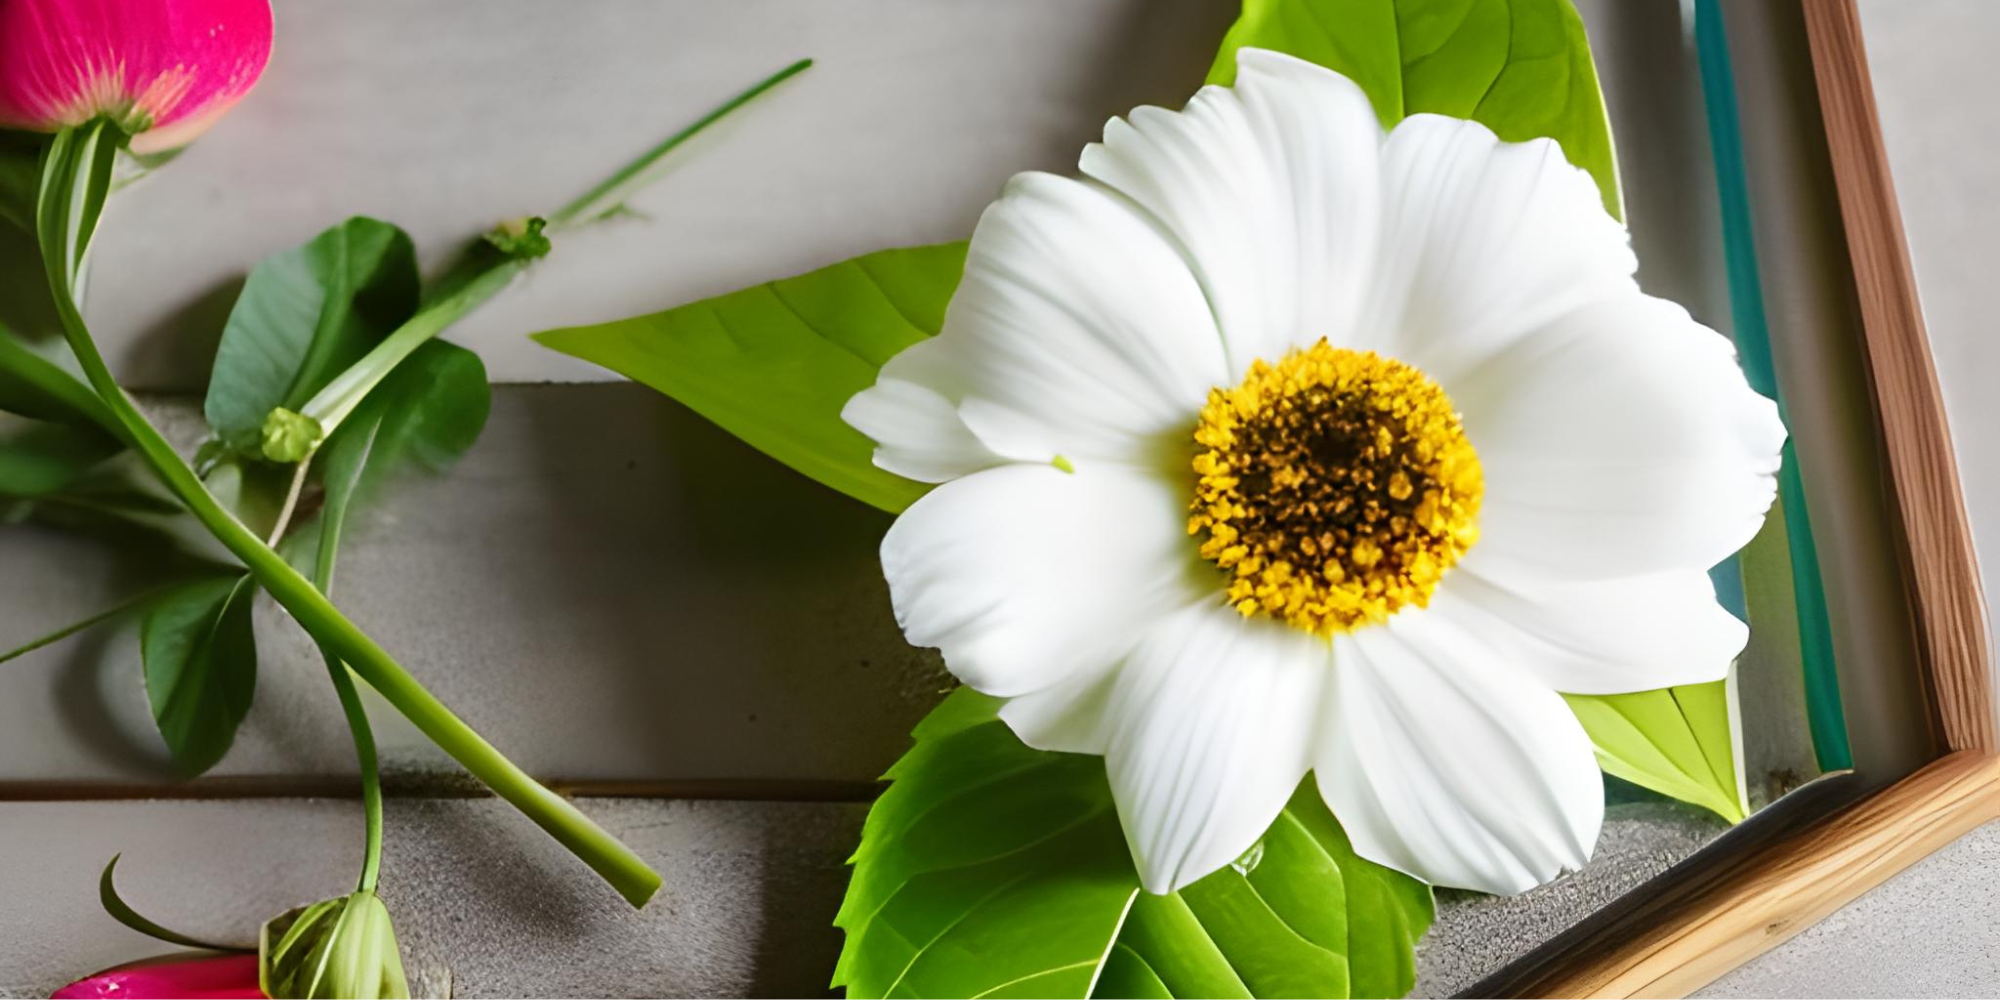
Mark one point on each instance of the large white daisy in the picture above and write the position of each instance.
(1280, 443)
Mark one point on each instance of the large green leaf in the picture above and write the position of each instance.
(775, 363)
(200, 655)
(303, 317)
(1675, 741)
(1522, 67)
(991, 869)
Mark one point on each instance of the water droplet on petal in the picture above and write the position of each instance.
(1250, 859)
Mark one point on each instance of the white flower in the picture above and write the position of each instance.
(1279, 443)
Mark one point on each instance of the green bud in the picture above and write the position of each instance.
(341, 947)
(521, 238)
(289, 437)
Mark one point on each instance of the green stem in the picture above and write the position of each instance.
(69, 630)
(350, 701)
(75, 179)
(609, 195)
(488, 273)
(371, 774)
(332, 404)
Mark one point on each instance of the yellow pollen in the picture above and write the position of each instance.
(1333, 488)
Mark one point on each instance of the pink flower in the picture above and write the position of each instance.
(183, 975)
(164, 70)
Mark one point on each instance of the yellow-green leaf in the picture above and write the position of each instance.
(774, 364)
(1675, 741)
(1521, 67)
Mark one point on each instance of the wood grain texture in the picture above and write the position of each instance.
(1949, 604)
(1790, 885)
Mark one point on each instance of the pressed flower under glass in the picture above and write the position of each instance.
(1278, 442)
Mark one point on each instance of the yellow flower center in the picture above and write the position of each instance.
(1334, 488)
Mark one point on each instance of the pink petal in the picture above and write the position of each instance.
(164, 68)
(219, 976)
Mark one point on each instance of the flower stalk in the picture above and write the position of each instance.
(507, 251)
(76, 177)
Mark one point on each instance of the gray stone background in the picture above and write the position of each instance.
(747, 673)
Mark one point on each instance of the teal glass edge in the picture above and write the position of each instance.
(1825, 716)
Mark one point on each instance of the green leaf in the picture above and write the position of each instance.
(35, 387)
(40, 459)
(304, 316)
(1675, 741)
(107, 894)
(20, 177)
(986, 866)
(991, 869)
(775, 363)
(343, 947)
(200, 656)
(427, 413)
(1522, 67)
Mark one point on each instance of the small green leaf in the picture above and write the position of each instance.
(34, 387)
(40, 459)
(1675, 741)
(337, 948)
(304, 316)
(107, 894)
(200, 655)
(20, 177)
(1522, 67)
(427, 413)
(992, 869)
(774, 364)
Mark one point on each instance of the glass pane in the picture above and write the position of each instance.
(1670, 91)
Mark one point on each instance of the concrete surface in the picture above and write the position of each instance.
(551, 591)
(1933, 931)
(486, 906)
(468, 114)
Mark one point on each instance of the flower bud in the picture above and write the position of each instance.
(163, 70)
(184, 975)
(341, 947)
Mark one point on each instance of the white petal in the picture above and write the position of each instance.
(1483, 242)
(1067, 717)
(1270, 188)
(1209, 729)
(1447, 762)
(1076, 331)
(1026, 576)
(1599, 636)
(1618, 440)
(918, 434)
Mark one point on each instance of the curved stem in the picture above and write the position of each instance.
(371, 775)
(466, 289)
(75, 179)
(73, 628)
(350, 700)
(609, 195)
(291, 504)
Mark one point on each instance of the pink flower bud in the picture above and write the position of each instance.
(164, 70)
(213, 976)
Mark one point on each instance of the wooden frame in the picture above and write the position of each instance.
(1784, 879)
